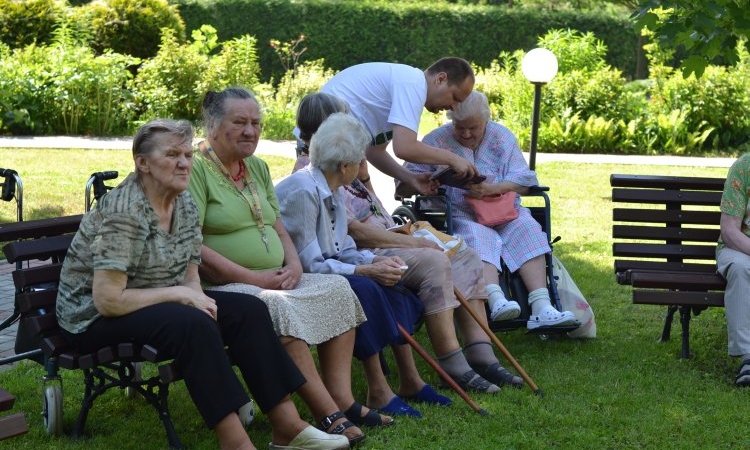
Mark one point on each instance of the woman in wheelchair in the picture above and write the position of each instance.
(429, 273)
(520, 244)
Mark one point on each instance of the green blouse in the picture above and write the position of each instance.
(226, 218)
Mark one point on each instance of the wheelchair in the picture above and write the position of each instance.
(436, 209)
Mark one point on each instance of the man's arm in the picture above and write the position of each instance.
(407, 147)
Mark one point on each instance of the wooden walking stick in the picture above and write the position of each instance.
(447, 378)
(497, 343)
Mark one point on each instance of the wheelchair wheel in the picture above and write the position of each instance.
(52, 410)
(402, 214)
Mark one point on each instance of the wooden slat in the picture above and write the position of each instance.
(664, 251)
(655, 196)
(37, 248)
(624, 267)
(13, 425)
(666, 182)
(665, 216)
(660, 297)
(32, 301)
(687, 281)
(6, 400)
(34, 276)
(42, 323)
(55, 345)
(665, 233)
(39, 228)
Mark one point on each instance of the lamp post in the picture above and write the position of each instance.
(539, 66)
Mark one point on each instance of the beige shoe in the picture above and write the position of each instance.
(313, 439)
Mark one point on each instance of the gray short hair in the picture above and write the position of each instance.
(143, 141)
(476, 104)
(313, 110)
(340, 139)
(215, 104)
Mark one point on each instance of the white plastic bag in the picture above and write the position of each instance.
(572, 300)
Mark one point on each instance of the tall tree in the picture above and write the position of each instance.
(705, 31)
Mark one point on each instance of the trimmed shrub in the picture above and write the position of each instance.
(131, 27)
(24, 22)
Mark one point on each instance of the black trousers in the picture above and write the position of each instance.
(197, 344)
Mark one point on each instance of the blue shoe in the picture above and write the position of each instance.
(397, 407)
(429, 395)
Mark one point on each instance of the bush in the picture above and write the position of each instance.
(166, 85)
(24, 22)
(280, 104)
(131, 27)
(64, 88)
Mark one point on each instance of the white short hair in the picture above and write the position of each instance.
(475, 105)
(341, 138)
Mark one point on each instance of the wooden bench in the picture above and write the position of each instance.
(14, 424)
(38, 249)
(665, 244)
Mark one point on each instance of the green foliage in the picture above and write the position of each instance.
(174, 82)
(280, 104)
(24, 22)
(705, 31)
(347, 32)
(65, 88)
(131, 27)
(166, 85)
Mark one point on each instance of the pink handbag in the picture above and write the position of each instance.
(494, 210)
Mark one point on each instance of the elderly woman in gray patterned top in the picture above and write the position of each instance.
(131, 275)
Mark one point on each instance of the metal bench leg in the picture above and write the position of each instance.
(665, 333)
(685, 312)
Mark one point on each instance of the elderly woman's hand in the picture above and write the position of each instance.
(386, 270)
(198, 299)
(483, 189)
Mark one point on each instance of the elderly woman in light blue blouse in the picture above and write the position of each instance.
(521, 243)
(313, 209)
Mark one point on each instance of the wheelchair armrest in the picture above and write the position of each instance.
(536, 190)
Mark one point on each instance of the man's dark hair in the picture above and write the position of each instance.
(457, 69)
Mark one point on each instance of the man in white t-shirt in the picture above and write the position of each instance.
(389, 98)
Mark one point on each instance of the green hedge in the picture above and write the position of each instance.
(348, 32)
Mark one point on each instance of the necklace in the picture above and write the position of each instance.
(256, 208)
(240, 174)
(360, 191)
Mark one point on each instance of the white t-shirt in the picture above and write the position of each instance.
(382, 94)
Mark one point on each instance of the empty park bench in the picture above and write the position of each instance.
(665, 234)
(38, 248)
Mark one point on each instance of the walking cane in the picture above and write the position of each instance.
(447, 378)
(497, 343)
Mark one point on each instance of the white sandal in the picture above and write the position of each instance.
(551, 317)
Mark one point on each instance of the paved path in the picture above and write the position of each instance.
(383, 184)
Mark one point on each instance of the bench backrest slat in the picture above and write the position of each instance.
(36, 276)
(668, 251)
(666, 196)
(665, 216)
(665, 233)
(53, 247)
(33, 229)
(666, 182)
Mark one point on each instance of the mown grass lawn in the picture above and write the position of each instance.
(622, 390)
